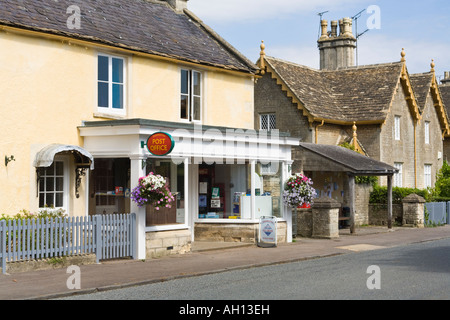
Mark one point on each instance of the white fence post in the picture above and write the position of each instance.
(98, 237)
(3, 244)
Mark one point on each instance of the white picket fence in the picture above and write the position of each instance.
(438, 212)
(106, 236)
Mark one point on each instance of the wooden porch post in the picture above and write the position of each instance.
(389, 183)
(351, 200)
(137, 171)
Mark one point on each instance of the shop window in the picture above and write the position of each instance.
(218, 186)
(111, 185)
(225, 192)
(174, 175)
(268, 190)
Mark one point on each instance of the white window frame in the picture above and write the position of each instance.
(191, 96)
(398, 177)
(110, 109)
(427, 132)
(269, 117)
(427, 175)
(65, 176)
(397, 127)
(270, 168)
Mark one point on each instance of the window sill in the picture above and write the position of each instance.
(112, 116)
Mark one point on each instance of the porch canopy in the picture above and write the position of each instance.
(320, 158)
(45, 157)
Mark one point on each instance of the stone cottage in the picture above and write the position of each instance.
(382, 110)
(444, 88)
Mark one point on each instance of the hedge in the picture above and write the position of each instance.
(379, 194)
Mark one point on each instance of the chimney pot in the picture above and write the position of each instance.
(341, 27)
(446, 79)
(348, 23)
(178, 5)
(334, 25)
(324, 26)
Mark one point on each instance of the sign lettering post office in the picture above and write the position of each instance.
(160, 144)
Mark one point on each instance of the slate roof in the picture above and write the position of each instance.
(353, 94)
(421, 83)
(355, 162)
(445, 94)
(140, 25)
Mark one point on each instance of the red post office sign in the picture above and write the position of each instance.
(160, 144)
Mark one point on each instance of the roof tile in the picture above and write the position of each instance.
(140, 25)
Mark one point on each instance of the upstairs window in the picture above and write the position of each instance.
(397, 127)
(427, 132)
(191, 95)
(268, 121)
(111, 84)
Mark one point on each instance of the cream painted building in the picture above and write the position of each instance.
(84, 83)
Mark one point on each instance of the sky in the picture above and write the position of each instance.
(290, 29)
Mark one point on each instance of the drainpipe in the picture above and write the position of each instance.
(317, 131)
(415, 154)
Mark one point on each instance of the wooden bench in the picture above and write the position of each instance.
(342, 219)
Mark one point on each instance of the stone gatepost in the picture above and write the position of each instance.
(304, 223)
(413, 211)
(325, 214)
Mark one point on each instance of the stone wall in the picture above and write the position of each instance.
(164, 243)
(235, 232)
(378, 214)
(413, 211)
(325, 218)
(304, 223)
(321, 221)
(362, 197)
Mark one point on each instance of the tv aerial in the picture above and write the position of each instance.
(358, 35)
(320, 14)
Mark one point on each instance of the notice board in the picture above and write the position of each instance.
(267, 232)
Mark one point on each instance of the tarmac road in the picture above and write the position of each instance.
(110, 275)
(416, 271)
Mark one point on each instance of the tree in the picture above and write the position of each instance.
(442, 187)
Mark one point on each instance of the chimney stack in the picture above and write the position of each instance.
(337, 51)
(178, 5)
(446, 80)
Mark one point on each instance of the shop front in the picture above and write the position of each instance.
(222, 180)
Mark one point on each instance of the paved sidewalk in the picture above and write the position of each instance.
(48, 284)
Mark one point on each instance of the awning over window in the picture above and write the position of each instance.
(45, 157)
